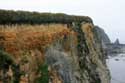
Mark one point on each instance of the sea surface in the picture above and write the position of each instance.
(116, 65)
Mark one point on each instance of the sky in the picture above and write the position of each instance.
(108, 14)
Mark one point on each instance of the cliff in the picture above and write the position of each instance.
(52, 53)
(102, 35)
(109, 48)
(115, 48)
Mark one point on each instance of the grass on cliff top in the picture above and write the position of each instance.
(24, 17)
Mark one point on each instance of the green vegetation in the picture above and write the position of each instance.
(44, 76)
(5, 59)
(21, 17)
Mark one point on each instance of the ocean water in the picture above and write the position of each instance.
(116, 65)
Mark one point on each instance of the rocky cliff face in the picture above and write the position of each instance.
(103, 36)
(52, 53)
(83, 62)
(109, 48)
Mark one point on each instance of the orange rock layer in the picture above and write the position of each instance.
(17, 38)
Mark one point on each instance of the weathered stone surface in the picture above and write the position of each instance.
(84, 61)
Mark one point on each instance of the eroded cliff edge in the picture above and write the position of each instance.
(52, 53)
